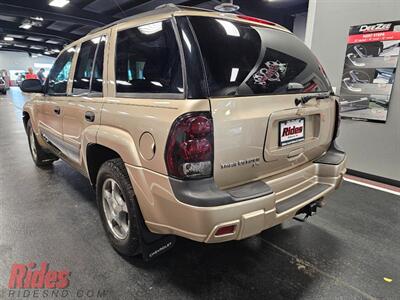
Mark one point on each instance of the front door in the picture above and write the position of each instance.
(50, 108)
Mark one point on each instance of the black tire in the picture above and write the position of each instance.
(42, 158)
(115, 169)
(4, 92)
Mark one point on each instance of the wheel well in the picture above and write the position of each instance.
(96, 155)
(25, 118)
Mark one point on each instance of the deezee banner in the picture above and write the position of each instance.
(369, 71)
(373, 37)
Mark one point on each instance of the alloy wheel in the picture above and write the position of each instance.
(115, 209)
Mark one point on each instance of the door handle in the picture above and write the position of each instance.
(89, 116)
(57, 110)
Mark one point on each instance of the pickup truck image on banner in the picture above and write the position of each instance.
(369, 71)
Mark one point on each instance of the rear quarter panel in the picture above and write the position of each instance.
(137, 116)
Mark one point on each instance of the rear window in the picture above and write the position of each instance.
(148, 60)
(244, 60)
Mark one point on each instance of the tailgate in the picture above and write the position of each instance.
(250, 141)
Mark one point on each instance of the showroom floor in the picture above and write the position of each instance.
(50, 215)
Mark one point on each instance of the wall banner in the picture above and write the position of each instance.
(369, 71)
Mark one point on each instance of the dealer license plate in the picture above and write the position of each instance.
(291, 131)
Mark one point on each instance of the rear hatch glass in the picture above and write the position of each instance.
(244, 60)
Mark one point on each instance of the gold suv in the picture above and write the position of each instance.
(187, 122)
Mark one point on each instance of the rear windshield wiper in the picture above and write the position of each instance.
(305, 99)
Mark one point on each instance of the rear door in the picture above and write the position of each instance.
(83, 108)
(257, 79)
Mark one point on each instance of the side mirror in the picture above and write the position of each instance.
(31, 86)
(295, 86)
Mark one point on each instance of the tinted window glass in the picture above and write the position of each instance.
(97, 80)
(242, 59)
(148, 60)
(83, 70)
(58, 77)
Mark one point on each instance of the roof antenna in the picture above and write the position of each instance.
(227, 7)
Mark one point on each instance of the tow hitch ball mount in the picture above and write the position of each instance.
(309, 210)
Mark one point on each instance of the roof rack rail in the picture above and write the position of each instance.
(169, 7)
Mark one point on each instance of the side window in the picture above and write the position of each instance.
(97, 79)
(148, 60)
(83, 70)
(89, 68)
(58, 77)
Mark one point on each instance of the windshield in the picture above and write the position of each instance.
(244, 60)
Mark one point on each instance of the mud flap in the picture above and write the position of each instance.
(152, 244)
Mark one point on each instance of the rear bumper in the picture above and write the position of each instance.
(277, 199)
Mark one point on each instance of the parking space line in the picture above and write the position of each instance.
(373, 185)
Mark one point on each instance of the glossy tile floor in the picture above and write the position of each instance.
(50, 215)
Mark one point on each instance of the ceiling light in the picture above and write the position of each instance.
(52, 42)
(55, 50)
(8, 38)
(150, 28)
(59, 3)
(35, 39)
(26, 26)
(16, 36)
(1, 46)
(37, 18)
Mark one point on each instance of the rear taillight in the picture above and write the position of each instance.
(190, 146)
(337, 120)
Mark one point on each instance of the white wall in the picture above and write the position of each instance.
(21, 61)
(299, 25)
(372, 148)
